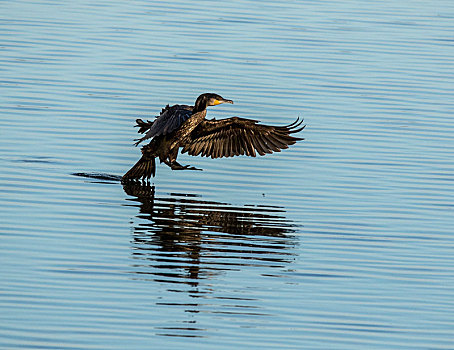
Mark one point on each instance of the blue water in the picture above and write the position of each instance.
(343, 241)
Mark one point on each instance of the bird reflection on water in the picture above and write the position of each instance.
(181, 238)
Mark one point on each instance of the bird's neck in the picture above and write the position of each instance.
(200, 105)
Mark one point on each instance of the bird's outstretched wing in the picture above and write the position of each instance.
(170, 119)
(237, 136)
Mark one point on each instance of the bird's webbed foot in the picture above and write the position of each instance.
(188, 167)
(177, 166)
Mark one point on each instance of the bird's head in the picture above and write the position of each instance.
(209, 99)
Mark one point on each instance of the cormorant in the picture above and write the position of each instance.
(185, 126)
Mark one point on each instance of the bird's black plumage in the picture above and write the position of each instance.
(238, 136)
(168, 121)
(186, 127)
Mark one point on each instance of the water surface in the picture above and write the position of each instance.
(344, 241)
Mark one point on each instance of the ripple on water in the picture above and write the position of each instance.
(342, 241)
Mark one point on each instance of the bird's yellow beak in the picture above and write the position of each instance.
(218, 102)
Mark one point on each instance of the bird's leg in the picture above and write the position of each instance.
(177, 166)
(171, 161)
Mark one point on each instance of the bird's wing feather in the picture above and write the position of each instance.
(238, 136)
(143, 126)
(170, 119)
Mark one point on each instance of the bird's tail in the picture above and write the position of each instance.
(143, 169)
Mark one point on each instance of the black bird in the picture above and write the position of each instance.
(185, 126)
